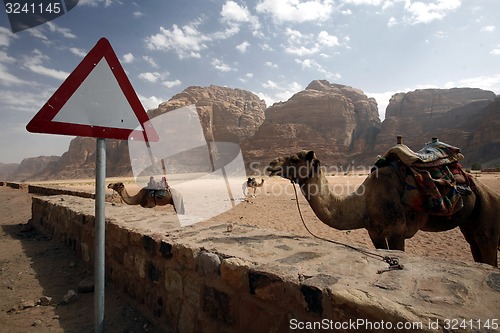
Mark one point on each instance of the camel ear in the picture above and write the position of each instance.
(310, 156)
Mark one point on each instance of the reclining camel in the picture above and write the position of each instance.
(149, 198)
(376, 206)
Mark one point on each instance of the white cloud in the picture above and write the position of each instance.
(233, 13)
(246, 77)
(364, 2)
(270, 84)
(187, 41)
(150, 61)
(171, 84)
(243, 46)
(271, 64)
(282, 92)
(95, 3)
(6, 36)
(138, 14)
(302, 50)
(382, 99)
(151, 102)
(297, 43)
(150, 76)
(308, 44)
(34, 64)
(6, 59)
(491, 82)
(78, 52)
(65, 32)
(392, 22)
(488, 28)
(421, 12)
(30, 102)
(496, 51)
(296, 11)
(311, 64)
(37, 33)
(324, 38)
(128, 58)
(221, 66)
(8, 79)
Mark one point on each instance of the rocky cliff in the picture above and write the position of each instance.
(458, 116)
(30, 167)
(226, 114)
(7, 169)
(338, 121)
(79, 161)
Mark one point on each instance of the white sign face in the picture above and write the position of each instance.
(99, 101)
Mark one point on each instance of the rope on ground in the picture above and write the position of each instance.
(392, 261)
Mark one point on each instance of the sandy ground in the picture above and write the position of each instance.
(34, 265)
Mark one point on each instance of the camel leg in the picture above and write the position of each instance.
(482, 247)
(396, 242)
(378, 240)
(393, 242)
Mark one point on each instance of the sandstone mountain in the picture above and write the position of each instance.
(464, 117)
(7, 169)
(226, 115)
(335, 120)
(339, 122)
(31, 166)
(229, 115)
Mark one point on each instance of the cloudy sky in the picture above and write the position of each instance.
(273, 48)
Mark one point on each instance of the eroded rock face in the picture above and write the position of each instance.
(31, 166)
(228, 115)
(456, 116)
(339, 121)
(79, 161)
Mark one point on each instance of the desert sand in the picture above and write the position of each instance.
(35, 265)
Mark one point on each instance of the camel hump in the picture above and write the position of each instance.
(432, 154)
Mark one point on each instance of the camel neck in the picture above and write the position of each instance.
(340, 213)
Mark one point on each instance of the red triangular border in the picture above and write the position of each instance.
(43, 122)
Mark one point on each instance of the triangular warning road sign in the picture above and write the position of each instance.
(95, 100)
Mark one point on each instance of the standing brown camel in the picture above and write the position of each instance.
(376, 206)
(149, 198)
(251, 183)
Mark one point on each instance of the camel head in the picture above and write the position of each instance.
(297, 168)
(118, 187)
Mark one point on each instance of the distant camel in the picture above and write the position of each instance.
(251, 183)
(149, 198)
(376, 206)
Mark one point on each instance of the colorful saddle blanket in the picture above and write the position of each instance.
(432, 154)
(157, 193)
(434, 180)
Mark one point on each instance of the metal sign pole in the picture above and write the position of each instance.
(100, 192)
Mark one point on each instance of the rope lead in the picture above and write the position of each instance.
(392, 261)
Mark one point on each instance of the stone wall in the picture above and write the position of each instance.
(205, 278)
